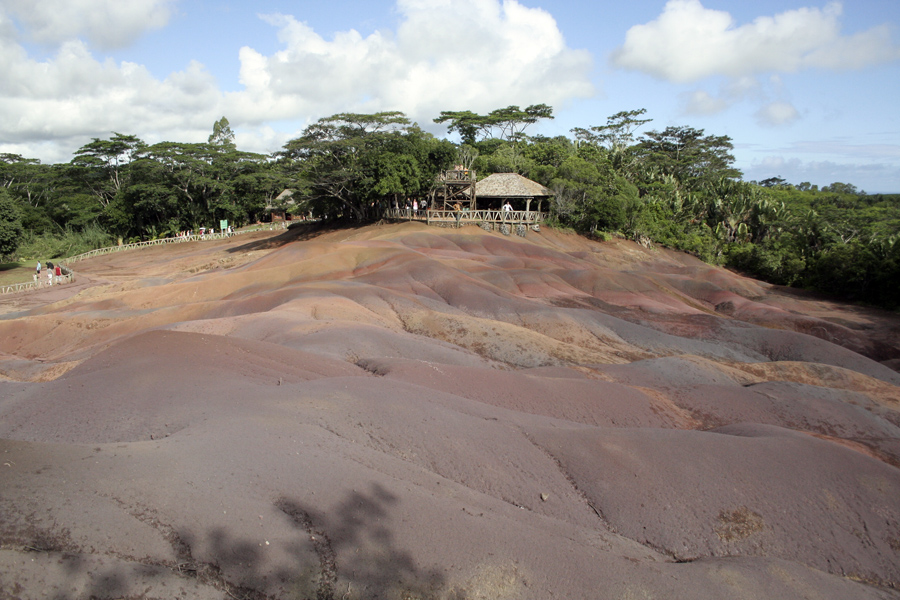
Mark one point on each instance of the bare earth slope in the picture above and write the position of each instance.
(408, 412)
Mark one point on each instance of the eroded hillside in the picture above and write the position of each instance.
(409, 412)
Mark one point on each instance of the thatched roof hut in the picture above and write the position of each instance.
(511, 186)
(285, 198)
(281, 207)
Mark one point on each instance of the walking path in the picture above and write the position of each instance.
(69, 277)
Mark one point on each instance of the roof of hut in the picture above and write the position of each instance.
(284, 199)
(285, 195)
(509, 185)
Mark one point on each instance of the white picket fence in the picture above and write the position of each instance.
(41, 282)
(38, 283)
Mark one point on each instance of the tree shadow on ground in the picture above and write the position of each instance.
(299, 232)
(348, 553)
(356, 548)
(10, 266)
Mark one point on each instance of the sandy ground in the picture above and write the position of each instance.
(405, 412)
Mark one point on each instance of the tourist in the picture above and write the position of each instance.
(58, 273)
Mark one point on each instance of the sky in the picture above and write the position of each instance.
(807, 91)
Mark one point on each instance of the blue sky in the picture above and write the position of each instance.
(807, 90)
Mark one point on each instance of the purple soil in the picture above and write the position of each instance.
(410, 412)
(740, 490)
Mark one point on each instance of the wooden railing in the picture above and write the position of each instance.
(159, 242)
(39, 282)
(463, 175)
(511, 217)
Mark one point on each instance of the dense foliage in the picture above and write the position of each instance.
(675, 187)
(10, 224)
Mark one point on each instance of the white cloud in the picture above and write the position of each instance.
(701, 102)
(745, 87)
(50, 107)
(731, 92)
(103, 23)
(689, 42)
(495, 54)
(73, 94)
(776, 114)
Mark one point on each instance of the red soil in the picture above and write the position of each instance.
(408, 412)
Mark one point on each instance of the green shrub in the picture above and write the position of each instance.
(63, 244)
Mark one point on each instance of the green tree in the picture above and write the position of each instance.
(103, 164)
(187, 185)
(587, 195)
(23, 177)
(618, 133)
(188, 170)
(222, 135)
(774, 182)
(10, 224)
(49, 198)
(841, 188)
(850, 269)
(546, 151)
(695, 160)
(508, 123)
(349, 164)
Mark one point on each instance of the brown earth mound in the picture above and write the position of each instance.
(408, 412)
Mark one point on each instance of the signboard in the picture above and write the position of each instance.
(223, 225)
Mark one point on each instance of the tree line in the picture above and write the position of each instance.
(676, 187)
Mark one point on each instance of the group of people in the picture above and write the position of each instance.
(412, 208)
(54, 273)
(204, 231)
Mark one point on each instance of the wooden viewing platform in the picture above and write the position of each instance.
(468, 217)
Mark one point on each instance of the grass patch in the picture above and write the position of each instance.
(16, 272)
(738, 524)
